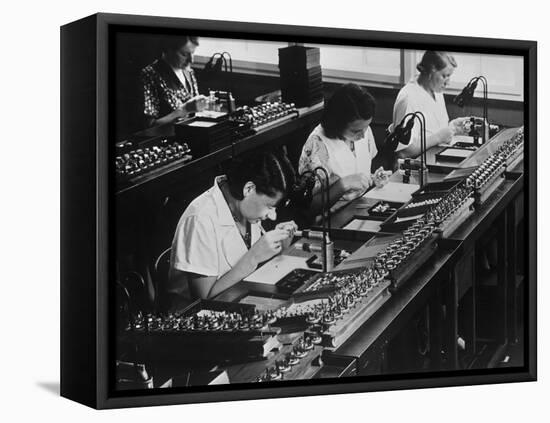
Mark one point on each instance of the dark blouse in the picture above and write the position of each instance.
(163, 92)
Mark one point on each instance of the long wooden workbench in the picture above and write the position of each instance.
(447, 279)
(447, 276)
(446, 288)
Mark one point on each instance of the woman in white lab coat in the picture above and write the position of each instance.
(219, 239)
(342, 144)
(424, 93)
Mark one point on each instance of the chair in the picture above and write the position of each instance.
(134, 292)
(131, 302)
(161, 268)
(130, 299)
(166, 301)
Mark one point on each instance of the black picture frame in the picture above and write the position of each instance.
(86, 210)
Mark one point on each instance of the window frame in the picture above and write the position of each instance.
(407, 71)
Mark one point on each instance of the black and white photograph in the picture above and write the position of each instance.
(292, 209)
(245, 211)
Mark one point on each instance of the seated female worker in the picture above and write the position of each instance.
(170, 89)
(424, 93)
(219, 239)
(343, 144)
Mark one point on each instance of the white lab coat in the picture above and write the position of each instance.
(207, 241)
(413, 98)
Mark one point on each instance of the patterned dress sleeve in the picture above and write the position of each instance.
(151, 100)
(194, 84)
(314, 154)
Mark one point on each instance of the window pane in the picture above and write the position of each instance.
(367, 60)
(504, 73)
(250, 51)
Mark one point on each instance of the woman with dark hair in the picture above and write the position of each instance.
(170, 89)
(424, 93)
(342, 144)
(219, 239)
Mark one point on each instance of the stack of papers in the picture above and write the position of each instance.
(393, 191)
(366, 225)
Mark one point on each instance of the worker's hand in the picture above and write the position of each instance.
(195, 104)
(291, 228)
(460, 126)
(357, 182)
(381, 177)
(270, 244)
(178, 114)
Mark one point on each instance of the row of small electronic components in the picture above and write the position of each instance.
(517, 139)
(444, 207)
(336, 306)
(350, 288)
(452, 202)
(395, 253)
(392, 256)
(354, 285)
(212, 321)
(511, 146)
(422, 229)
(421, 203)
(143, 159)
(299, 351)
(492, 166)
(348, 282)
(495, 163)
(340, 303)
(264, 113)
(398, 251)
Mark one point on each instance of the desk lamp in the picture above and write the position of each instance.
(327, 245)
(402, 134)
(467, 95)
